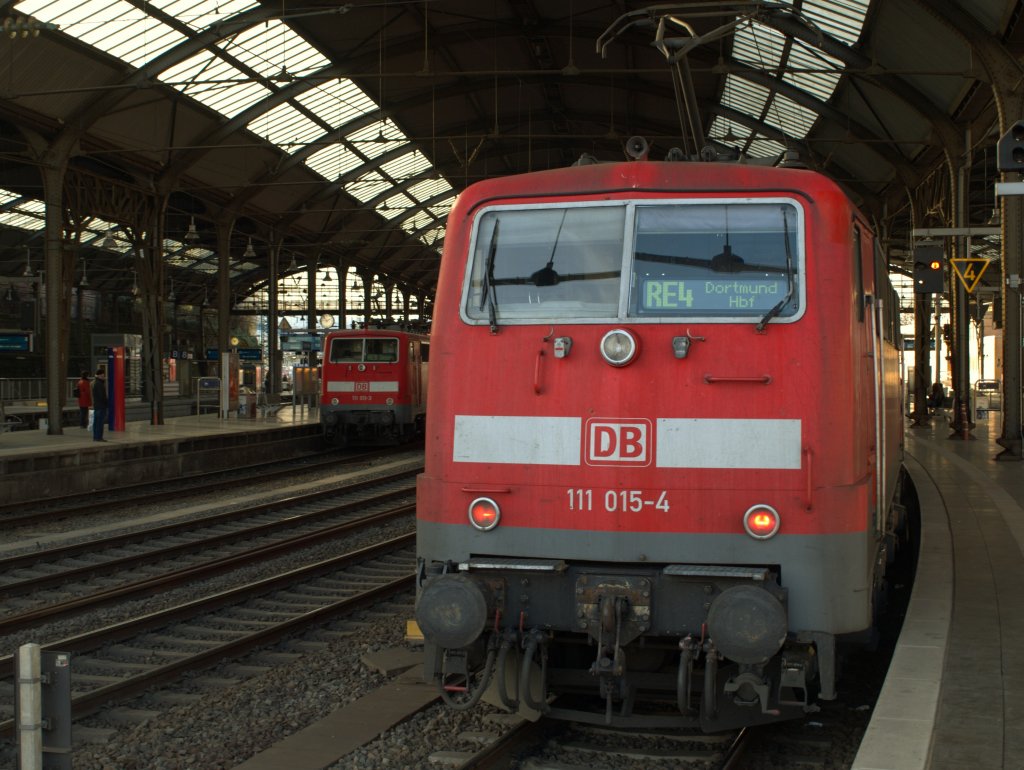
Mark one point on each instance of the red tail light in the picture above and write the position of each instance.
(484, 514)
(761, 521)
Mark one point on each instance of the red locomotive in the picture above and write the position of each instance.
(374, 386)
(664, 444)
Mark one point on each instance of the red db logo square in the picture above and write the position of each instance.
(618, 442)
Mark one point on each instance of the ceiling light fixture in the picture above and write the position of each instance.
(85, 277)
(249, 250)
(108, 241)
(192, 235)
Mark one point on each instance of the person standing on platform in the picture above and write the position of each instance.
(84, 390)
(100, 403)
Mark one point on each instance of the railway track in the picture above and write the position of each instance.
(552, 745)
(30, 582)
(125, 659)
(48, 510)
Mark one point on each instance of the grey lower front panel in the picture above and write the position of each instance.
(827, 577)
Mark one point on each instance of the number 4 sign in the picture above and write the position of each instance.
(969, 271)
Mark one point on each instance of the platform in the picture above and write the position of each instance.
(33, 460)
(954, 695)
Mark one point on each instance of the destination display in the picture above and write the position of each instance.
(720, 295)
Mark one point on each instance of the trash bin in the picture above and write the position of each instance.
(247, 406)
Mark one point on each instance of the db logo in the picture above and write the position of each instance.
(618, 442)
(362, 387)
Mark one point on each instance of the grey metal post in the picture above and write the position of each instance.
(30, 708)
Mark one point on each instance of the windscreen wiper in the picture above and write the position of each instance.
(790, 284)
(725, 262)
(489, 292)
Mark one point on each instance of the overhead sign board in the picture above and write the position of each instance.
(16, 342)
(969, 271)
(299, 343)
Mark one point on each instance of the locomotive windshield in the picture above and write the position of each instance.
(357, 350)
(733, 261)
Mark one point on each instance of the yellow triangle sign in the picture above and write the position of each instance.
(969, 271)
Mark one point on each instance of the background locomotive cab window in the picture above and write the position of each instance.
(379, 350)
(346, 350)
(715, 260)
(351, 350)
(695, 259)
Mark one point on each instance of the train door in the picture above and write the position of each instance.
(413, 378)
(867, 347)
(876, 312)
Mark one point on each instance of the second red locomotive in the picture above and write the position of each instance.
(664, 443)
(374, 386)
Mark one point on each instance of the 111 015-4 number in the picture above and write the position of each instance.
(615, 500)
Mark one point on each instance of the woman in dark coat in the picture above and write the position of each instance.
(99, 405)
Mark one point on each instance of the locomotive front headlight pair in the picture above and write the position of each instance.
(760, 521)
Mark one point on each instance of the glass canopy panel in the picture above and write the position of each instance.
(377, 138)
(791, 118)
(818, 84)
(842, 19)
(368, 186)
(766, 148)
(337, 102)
(419, 220)
(395, 206)
(286, 127)
(746, 97)
(334, 160)
(429, 189)
(21, 212)
(215, 83)
(113, 26)
(95, 232)
(728, 131)
(759, 46)
(433, 237)
(406, 167)
(273, 49)
(200, 14)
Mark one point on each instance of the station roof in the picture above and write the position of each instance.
(343, 132)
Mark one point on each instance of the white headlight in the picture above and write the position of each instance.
(618, 347)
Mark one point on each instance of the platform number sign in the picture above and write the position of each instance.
(969, 271)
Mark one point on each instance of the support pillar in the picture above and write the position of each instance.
(53, 183)
(224, 228)
(272, 378)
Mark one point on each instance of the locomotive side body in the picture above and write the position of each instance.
(663, 440)
(374, 386)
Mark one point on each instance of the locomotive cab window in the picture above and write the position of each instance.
(715, 260)
(734, 260)
(546, 262)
